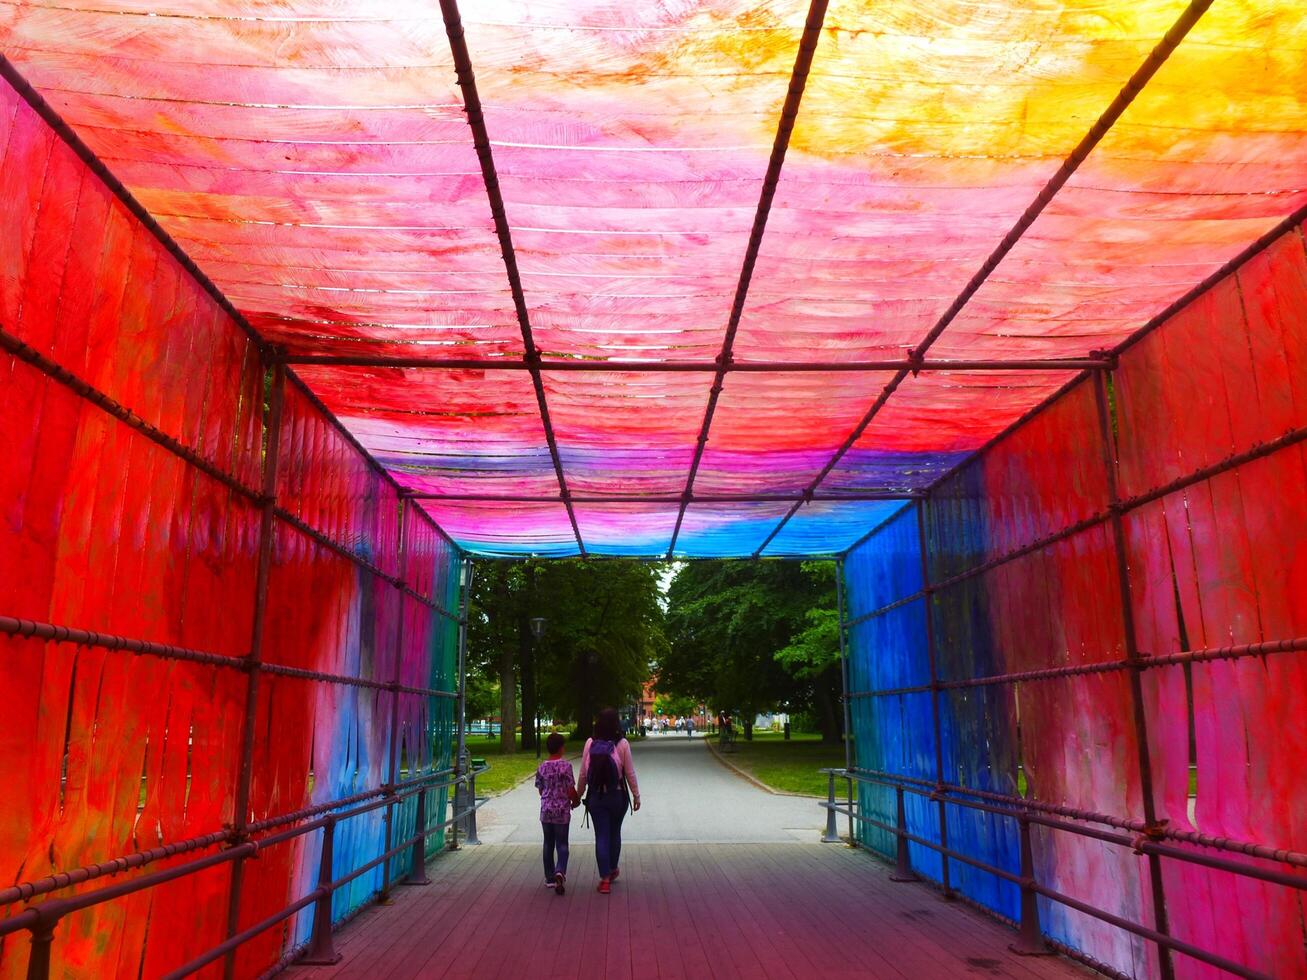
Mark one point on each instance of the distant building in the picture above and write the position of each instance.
(647, 698)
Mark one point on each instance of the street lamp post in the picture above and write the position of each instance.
(538, 624)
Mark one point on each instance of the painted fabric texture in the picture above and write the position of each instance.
(318, 164)
(1023, 571)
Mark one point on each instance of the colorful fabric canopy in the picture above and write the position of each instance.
(316, 160)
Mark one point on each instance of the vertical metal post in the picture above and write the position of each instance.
(461, 764)
(392, 772)
(902, 858)
(1030, 941)
(417, 872)
(832, 835)
(38, 957)
(928, 598)
(322, 951)
(1160, 919)
(472, 808)
(254, 660)
(844, 694)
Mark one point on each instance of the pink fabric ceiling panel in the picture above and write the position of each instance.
(772, 433)
(313, 154)
(447, 432)
(925, 131)
(952, 412)
(636, 137)
(626, 433)
(634, 530)
(505, 530)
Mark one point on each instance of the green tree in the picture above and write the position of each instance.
(604, 626)
(812, 656)
(754, 636)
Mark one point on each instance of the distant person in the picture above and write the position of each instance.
(558, 796)
(689, 727)
(608, 773)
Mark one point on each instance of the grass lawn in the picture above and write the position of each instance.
(506, 771)
(787, 766)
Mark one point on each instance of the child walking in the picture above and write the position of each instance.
(557, 786)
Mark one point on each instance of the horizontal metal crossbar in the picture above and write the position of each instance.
(694, 498)
(1093, 363)
(28, 628)
(26, 891)
(1144, 661)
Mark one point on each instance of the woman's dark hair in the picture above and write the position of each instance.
(607, 725)
(555, 742)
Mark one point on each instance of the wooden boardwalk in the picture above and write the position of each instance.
(789, 911)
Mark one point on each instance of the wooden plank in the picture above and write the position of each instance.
(748, 899)
(947, 931)
(436, 944)
(501, 897)
(784, 911)
(643, 936)
(739, 937)
(840, 951)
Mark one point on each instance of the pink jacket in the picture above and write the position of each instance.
(622, 756)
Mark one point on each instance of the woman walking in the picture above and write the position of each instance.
(608, 773)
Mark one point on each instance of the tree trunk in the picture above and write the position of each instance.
(748, 730)
(527, 658)
(507, 701)
(830, 719)
(585, 712)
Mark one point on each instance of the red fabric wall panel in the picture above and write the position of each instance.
(106, 752)
(1224, 562)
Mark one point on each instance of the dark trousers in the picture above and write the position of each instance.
(607, 812)
(555, 843)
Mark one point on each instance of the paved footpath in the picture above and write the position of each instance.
(687, 796)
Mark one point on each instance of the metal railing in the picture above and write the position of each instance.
(1030, 939)
(42, 919)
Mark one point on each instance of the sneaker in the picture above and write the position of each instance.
(559, 883)
(551, 884)
(605, 886)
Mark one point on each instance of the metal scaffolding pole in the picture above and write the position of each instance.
(771, 179)
(244, 778)
(928, 595)
(1102, 398)
(392, 770)
(476, 122)
(844, 691)
(589, 366)
(461, 760)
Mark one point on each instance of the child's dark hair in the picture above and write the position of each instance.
(555, 742)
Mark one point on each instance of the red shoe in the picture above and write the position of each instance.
(614, 875)
(605, 886)
(559, 880)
